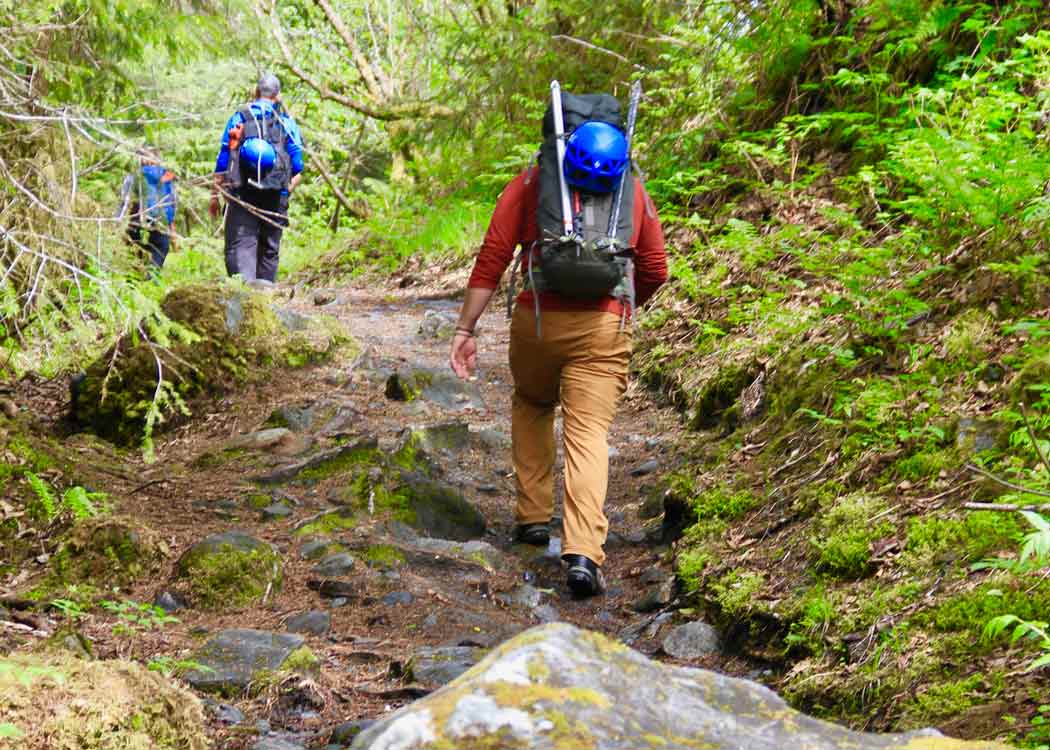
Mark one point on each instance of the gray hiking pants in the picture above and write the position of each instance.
(253, 240)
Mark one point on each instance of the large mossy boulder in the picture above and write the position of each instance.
(224, 335)
(557, 686)
(229, 569)
(57, 702)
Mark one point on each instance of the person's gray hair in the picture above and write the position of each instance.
(269, 85)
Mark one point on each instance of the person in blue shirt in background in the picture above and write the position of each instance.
(151, 193)
(259, 164)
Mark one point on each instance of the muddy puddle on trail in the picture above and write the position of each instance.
(406, 506)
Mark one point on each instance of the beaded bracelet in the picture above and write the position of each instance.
(467, 331)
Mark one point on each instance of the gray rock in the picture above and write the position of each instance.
(474, 551)
(976, 435)
(324, 297)
(492, 439)
(294, 418)
(335, 565)
(276, 743)
(292, 320)
(332, 456)
(441, 511)
(546, 613)
(318, 548)
(344, 733)
(313, 622)
(398, 598)
(438, 387)
(434, 667)
(692, 640)
(224, 713)
(169, 602)
(262, 439)
(557, 686)
(525, 596)
(275, 512)
(646, 467)
(614, 452)
(658, 596)
(234, 657)
(231, 567)
(436, 326)
(339, 601)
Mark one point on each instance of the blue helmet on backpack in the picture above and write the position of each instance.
(595, 157)
(258, 154)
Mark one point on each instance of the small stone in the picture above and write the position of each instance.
(345, 733)
(224, 713)
(233, 658)
(324, 297)
(339, 601)
(169, 601)
(316, 548)
(546, 613)
(313, 622)
(655, 598)
(614, 452)
(653, 575)
(692, 641)
(9, 407)
(488, 489)
(262, 726)
(646, 467)
(276, 743)
(525, 596)
(435, 667)
(335, 565)
(430, 621)
(275, 512)
(398, 598)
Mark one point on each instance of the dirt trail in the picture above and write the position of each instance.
(195, 489)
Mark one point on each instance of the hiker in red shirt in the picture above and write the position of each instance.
(568, 346)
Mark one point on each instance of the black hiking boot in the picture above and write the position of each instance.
(538, 534)
(585, 578)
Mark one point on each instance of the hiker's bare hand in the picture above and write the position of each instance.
(464, 355)
(213, 207)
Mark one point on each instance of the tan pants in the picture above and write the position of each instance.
(581, 360)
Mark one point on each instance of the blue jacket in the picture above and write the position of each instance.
(153, 189)
(262, 107)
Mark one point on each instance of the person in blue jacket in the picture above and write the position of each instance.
(150, 190)
(259, 164)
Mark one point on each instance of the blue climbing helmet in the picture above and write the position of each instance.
(595, 157)
(258, 155)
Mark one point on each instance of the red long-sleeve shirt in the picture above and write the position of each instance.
(513, 224)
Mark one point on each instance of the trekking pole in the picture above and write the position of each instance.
(559, 136)
(632, 114)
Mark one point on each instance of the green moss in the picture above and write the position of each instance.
(735, 592)
(383, 556)
(968, 336)
(969, 611)
(328, 523)
(228, 576)
(690, 565)
(259, 500)
(936, 702)
(719, 393)
(844, 534)
(363, 455)
(301, 661)
(926, 464)
(105, 551)
(931, 539)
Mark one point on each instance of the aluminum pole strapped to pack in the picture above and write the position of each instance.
(559, 135)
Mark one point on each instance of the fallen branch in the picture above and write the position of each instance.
(1010, 485)
(1008, 507)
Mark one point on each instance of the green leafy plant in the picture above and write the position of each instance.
(169, 666)
(135, 617)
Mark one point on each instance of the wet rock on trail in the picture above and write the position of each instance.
(435, 386)
(233, 658)
(231, 568)
(692, 640)
(335, 565)
(557, 686)
(434, 667)
(313, 622)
